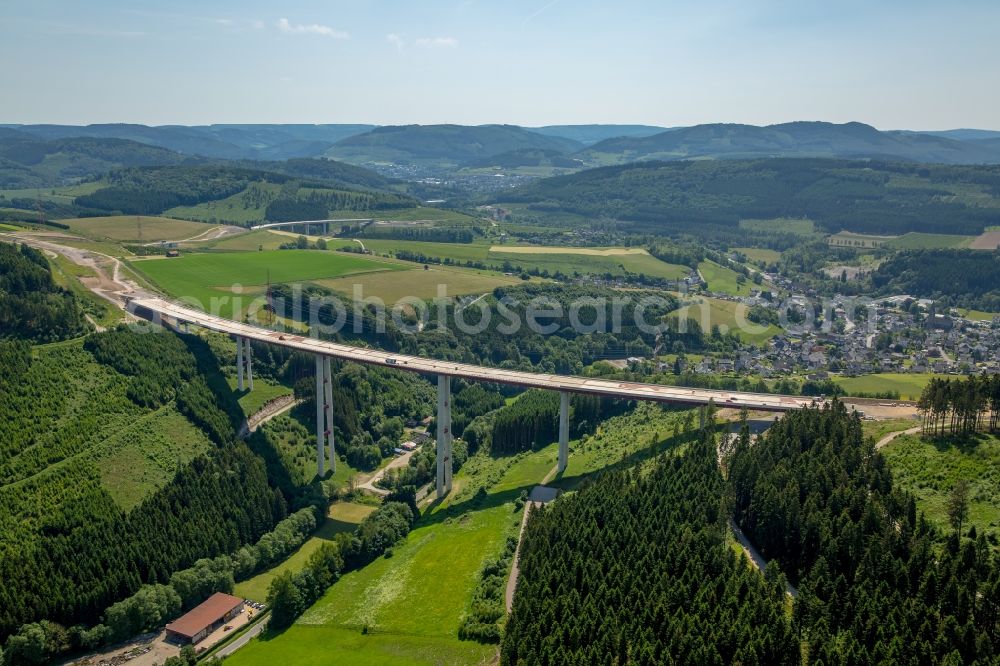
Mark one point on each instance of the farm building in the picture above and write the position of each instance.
(204, 618)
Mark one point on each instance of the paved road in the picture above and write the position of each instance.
(156, 307)
(251, 633)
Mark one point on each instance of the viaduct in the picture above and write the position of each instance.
(157, 310)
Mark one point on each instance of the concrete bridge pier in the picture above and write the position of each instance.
(249, 361)
(444, 436)
(563, 431)
(320, 415)
(328, 412)
(239, 363)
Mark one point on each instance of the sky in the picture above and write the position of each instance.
(894, 64)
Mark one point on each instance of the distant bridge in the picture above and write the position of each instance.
(156, 310)
(324, 225)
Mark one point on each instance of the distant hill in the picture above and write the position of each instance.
(230, 141)
(964, 134)
(591, 134)
(527, 157)
(798, 139)
(712, 197)
(444, 145)
(26, 161)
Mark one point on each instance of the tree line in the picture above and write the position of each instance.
(32, 305)
(960, 406)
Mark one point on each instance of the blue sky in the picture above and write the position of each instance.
(891, 63)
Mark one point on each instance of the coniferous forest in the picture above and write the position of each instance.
(877, 583)
(635, 568)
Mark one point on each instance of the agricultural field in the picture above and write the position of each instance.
(729, 316)
(851, 241)
(340, 517)
(419, 214)
(759, 254)
(988, 240)
(786, 225)
(724, 280)
(567, 260)
(136, 228)
(930, 469)
(920, 241)
(908, 385)
(252, 241)
(210, 279)
(61, 195)
(419, 283)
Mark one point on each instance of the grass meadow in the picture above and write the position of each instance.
(930, 469)
(908, 385)
(136, 228)
(209, 276)
(729, 316)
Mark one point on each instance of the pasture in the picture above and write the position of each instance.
(851, 241)
(391, 286)
(341, 517)
(227, 283)
(784, 225)
(729, 316)
(759, 254)
(136, 228)
(909, 385)
(406, 608)
(724, 280)
(921, 241)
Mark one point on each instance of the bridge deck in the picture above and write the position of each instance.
(428, 366)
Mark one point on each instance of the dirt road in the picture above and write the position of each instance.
(893, 435)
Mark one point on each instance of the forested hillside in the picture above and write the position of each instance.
(634, 568)
(795, 139)
(27, 161)
(443, 144)
(876, 582)
(960, 278)
(316, 188)
(709, 198)
(119, 465)
(32, 306)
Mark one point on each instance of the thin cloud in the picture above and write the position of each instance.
(395, 40)
(310, 29)
(436, 42)
(535, 14)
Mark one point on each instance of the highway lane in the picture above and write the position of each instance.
(427, 366)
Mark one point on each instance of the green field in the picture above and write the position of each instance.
(908, 385)
(419, 283)
(252, 241)
(406, 609)
(920, 241)
(236, 209)
(852, 241)
(209, 280)
(930, 468)
(786, 225)
(759, 254)
(341, 517)
(63, 195)
(136, 228)
(567, 260)
(724, 280)
(977, 315)
(729, 316)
